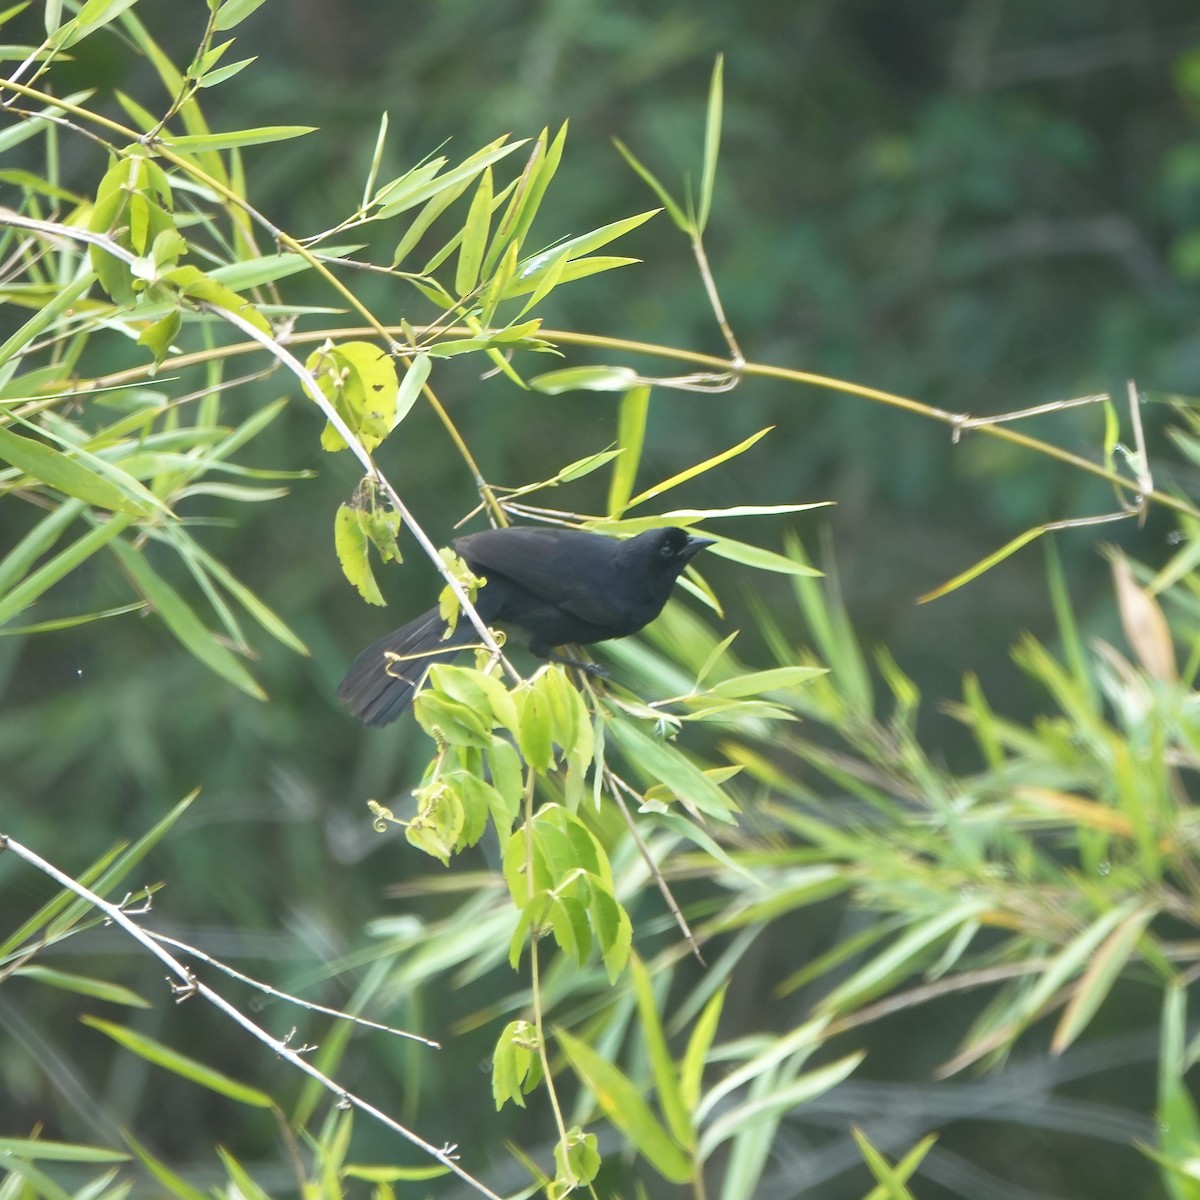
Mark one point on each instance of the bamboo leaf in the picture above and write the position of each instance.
(712, 142)
(475, 235)
(198, 143)
(49, 573)
(757, 682)
(673, 210)
(699, 469)
(584, 379)
(99, 989)
(179, 618)
(623, 1105)
(774, 1103)
(901, 957)
(410, 387)
(67, 475)
(1101, 973)
(666, 1076)
(691, 1071)
(35, 1148)
(631, 432)
(984, 564)
(757, 557)
(179, 1064)
(234, 12)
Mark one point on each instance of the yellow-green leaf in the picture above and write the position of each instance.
(631, 430)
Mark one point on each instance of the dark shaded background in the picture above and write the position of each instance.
(984, 206)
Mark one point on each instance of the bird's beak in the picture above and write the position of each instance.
(695, 545)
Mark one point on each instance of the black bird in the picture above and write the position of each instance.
(559, 585)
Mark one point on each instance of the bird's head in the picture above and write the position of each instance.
(666, 551)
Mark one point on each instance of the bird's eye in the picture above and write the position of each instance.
(667, 551)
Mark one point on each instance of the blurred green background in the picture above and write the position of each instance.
(985, 206)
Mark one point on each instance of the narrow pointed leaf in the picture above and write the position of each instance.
(623, 1105)
(712, 143)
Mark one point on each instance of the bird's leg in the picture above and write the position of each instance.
(595, 670)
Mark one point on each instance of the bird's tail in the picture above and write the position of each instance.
(383, 679)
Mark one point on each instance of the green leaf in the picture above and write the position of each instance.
(234, 12)
(613, 930)
(267, 268)
(71, 622)
(671, 767)
(67, 475)
(175, 1185)
(265, 616)
(475, 235)
(508, 783)
(360, 381)
(213, 78)
(95, 14)
(391, 1174)
(712, 143)
(410, 387)
(38, 1183)
(1176, 1116)
(577, 1160)
(1074, 957)
(1104, 968)
(585, 379)
(423, 220)
(691, 1070)
(38, 541)
(773, 1103)
(673, 210)
(984, 564)
(244, 1186)
(757, 557)
(623, 1105)
(179, 618)
(198, 143)
(576, 250)
(891, 1179)
(114, 873)
(699, 469)
(539, 171)
(84, 985)
(35, 1148)
(49, 573)
(450, 721)
(484, 694)
(901, 957)
(666, 1076)
(188, 1068)
(533, 737)
(195, 285)
(631, 432)
(62, 301)
(758, 682)
(158, 336)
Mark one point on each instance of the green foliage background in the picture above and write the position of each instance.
(984, 208)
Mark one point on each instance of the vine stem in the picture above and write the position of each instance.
(761, 370)
(535, 979)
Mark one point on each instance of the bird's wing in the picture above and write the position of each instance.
(541, 562)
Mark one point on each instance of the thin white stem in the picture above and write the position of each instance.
(193, 952)
(189, 985)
